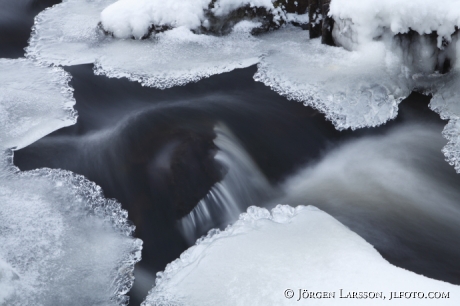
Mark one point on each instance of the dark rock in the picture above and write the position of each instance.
(321, 24)
(316, 18)
(270, 20)
(222, 25)
(328, 25)
(292, 6)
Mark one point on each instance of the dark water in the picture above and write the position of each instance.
(16, 21)
(153, 150)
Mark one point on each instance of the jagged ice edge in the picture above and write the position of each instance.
(309, 98)
(109, 210)
(279, 214)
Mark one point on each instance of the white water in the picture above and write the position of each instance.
(394, 190)
(243, 185)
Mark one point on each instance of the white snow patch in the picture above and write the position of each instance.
(264, 253)
(126, 18)
(299, 18)
(224, 7)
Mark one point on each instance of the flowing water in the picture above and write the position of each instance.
(188, 159)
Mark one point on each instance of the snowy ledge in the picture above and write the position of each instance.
(266, 253)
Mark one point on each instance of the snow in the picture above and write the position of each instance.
(7, 279)
(62, 242)
(370, 17)
(266, 253)
(126, 18)
(358, 85)
(224, 7)
(67, 34)
(294, 17)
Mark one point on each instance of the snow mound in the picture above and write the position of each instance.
(266, 253)
(128, 18)
(34, 101)
(369, 18)
(62, 242)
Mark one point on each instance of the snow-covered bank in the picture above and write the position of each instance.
(254, 262)
(62, 242)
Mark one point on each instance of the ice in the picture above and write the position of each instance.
(354, 89)
(68, 34)
(67, 244)
(178, 57)
(62, 242)
(34, 101)
(413, 200)
(445, 102)
(387, 49)
(266, 253)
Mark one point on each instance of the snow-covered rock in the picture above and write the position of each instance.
(141, 18)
